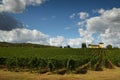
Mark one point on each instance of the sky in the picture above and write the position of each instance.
(60, 22)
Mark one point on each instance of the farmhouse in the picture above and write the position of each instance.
(100, 45)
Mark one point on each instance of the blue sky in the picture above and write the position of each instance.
(52, 17)
(61, 18)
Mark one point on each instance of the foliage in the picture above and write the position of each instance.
(6, 44)
(84, 45)
(51, 59)
(109, 46)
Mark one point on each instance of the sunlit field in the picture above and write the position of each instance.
(54, 59)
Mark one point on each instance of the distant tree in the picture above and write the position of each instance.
(60, 47)
(109, 46)
(68, 46)
(84, 45)
(116, 48)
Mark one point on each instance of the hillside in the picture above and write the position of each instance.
(56, 58)
(6, 44)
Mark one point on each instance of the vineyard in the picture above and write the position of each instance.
(57, 59)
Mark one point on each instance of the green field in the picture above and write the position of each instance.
(40, 52)
(54, 58)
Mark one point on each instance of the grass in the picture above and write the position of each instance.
(54, 58)
(21, 57)
(107, 74)
(38, 52)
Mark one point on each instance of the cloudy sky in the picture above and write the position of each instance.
(60, 22)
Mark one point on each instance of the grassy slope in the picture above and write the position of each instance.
(6, 44)
(107, 74)
(38, 52)
(57, 53)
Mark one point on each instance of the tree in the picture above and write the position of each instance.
(60, 47)
(68, 46)
(115, 47)
(109, 46)
(84, 45)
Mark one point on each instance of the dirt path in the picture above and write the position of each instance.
(107, 74)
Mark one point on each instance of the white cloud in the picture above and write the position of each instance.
(57, 41)
(95, 24)
(23, 36)
(83, 32)
(81, 23)
(73, 42)
(17, 6)
(86, 36)
(83, 15)
(76, 42)
(107, 25)
(101, 11)
(72, 16)
(34, 2)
